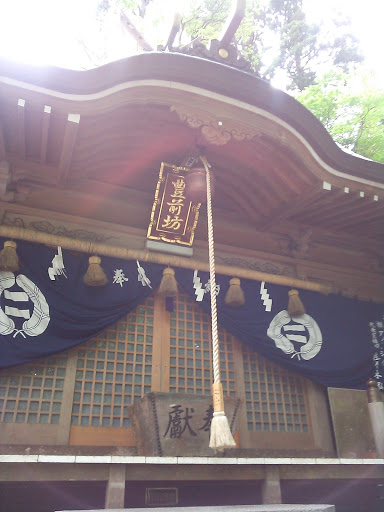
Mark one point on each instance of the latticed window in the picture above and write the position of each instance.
(275, 399)
(33, 393)
(83, 395)
(191, 351)
(114, 369)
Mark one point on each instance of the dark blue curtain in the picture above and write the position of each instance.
(337, 343)
(76, 312)
(332, 347)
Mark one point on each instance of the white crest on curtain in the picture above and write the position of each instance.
(37, 322)
(303, 330)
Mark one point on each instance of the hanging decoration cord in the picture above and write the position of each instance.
(221, 436)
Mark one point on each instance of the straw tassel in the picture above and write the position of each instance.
(9, 260)
(235, 296)
(295, 306)
(168, 285)
(95, 275)
(221, 435)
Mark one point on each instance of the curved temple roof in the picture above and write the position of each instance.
(112, 126)
(210, 76)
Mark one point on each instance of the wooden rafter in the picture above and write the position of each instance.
(44, 133)
(317, 212)
(249, 194)
(283, 160)
(310, 193)
(68, 146)
(242, 203)
(359, 217)
(21, 127)
(336, 213)
(2, 143)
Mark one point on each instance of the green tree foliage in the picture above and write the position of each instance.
(279, 27)
(277, 39)
(274, 35)
(351, 109)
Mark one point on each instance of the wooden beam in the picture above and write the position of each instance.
(4, 177)
(44, 133)
(2, 143)
(164, 259)
(21, 127)
(22, 168)
(68, 146)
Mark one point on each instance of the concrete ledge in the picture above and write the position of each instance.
(19, 458)
(95, 459)
(232, 508)
(127, 459)
(57, 458)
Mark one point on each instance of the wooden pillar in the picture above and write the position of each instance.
(376, 413)
(271, 490)
(116, 487)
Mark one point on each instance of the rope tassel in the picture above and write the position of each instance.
(221, 436)
(9, 261)
(295, 306)
(235, 295)
(95, 275)
(168, 285)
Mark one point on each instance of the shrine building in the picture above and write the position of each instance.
(113, 408)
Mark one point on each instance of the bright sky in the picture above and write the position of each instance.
(48, 31)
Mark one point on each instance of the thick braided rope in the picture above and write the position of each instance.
(211, 250)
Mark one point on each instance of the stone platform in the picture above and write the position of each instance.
(231, 508)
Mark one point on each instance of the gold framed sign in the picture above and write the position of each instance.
(173, 216)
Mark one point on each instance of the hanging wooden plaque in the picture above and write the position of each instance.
(173, 217)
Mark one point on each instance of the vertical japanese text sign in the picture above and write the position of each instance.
(174, 216)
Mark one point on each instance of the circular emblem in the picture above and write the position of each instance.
(298, 336)
(35, 323)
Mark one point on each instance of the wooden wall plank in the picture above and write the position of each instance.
(101, 436)
(66, 405)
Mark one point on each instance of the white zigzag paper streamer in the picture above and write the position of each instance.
(267, 301)
(57, 268)
(142, 276)
(199, 290)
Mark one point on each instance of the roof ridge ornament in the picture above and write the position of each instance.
(216, 52)
(220, 50)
